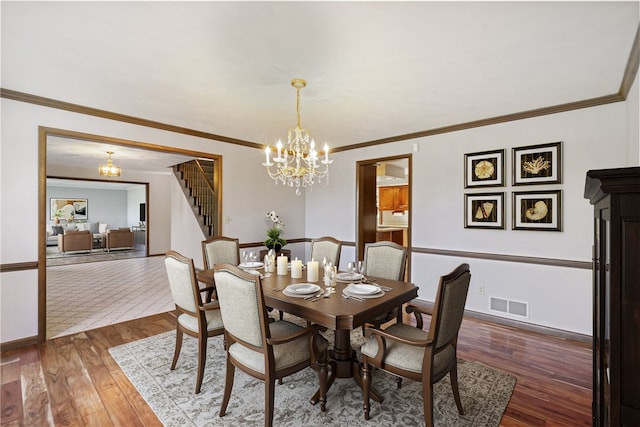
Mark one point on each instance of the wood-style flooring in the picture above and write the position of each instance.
(73, 381)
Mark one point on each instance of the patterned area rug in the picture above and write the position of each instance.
(484, 392)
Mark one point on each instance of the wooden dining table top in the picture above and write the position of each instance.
(334, 312)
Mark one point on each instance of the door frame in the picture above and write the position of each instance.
(362, 205)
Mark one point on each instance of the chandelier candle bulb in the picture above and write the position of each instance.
(296, 269)
(282, 265)
(312, 271)
(266, 152)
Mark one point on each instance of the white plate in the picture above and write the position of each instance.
(349, 276)
(353, 294)
(303, 288)
(251, 264)
(362, 289)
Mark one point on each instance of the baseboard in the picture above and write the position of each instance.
(545, 330)
(22, 342)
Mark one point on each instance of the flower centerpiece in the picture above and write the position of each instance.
(276, 228)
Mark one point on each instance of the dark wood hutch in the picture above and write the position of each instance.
(615, 195)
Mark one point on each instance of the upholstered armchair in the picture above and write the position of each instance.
(386, 260)
(119, 238)
(219, 250)
(266, 351)
(326, 247)
(75, 241)
(195, 318)
(410, 352)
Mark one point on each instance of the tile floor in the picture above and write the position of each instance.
(91, 295)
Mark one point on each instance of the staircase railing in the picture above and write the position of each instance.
(201, 191)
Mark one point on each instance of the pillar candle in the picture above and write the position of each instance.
(312, 271)
(282, 265)
(296, 269)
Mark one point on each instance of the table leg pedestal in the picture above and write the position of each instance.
(346, 364)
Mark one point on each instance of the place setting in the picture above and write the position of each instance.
(250, 263)
(307, 291)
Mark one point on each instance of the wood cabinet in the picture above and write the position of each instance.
(393, 198)
(615, 195)
(395, 235)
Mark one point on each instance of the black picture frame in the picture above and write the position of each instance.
(537, 164)
(537, 210)
(484, 169)
(484, 210)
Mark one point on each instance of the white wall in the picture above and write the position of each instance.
(560, 298)
(633, 124)
(247, 197)
(135, 196)
(599, 137)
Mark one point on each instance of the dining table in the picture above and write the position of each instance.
(334, 312)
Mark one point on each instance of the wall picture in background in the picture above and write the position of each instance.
(484, 169)
(69, 209)
(537, 210)
(537, 164)
(484, 210)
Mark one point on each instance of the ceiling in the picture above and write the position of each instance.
(375, 70)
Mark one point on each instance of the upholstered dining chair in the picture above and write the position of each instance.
(195, 318)
(411, 352)
(387, 260)
(326, 247)
(266, 351)
(219, 250)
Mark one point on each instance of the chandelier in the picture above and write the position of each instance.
(109, 169)
(297, 164)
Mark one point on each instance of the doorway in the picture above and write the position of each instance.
(77, 143)
(384, 218)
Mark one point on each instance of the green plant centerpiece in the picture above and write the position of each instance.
(276, 229)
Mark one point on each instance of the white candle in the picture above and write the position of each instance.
(312, 271)
(279, 145)
(282, 265)
(267, 150)
(326, 152)
(296, 269)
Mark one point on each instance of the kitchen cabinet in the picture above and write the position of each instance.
(396, 235)
(393, 198)
(615, 195)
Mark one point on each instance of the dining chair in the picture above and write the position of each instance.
(266, 351)
(410, 352)
(219, 250)
(387, 260)
(195, 318)
(326, 247)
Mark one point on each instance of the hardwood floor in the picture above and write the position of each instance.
(73, 381)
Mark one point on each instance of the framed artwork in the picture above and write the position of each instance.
(69, 209)
(484, 210)
(537, 164)
(537, 210)
(484, 169)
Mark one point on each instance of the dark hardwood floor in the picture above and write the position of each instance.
(73, 381)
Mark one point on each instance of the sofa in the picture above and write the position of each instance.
(75, 240)
(97, 229)
(118, 238)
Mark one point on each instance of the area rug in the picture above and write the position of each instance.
(484, 392)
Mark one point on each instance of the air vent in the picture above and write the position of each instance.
(509, 307)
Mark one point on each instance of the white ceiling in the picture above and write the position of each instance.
(374, 69)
